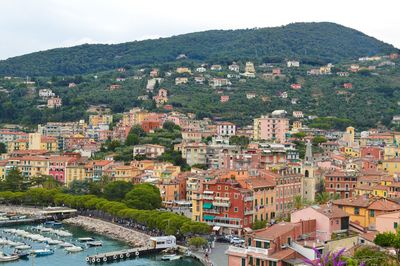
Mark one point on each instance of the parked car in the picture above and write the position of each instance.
(237, 241)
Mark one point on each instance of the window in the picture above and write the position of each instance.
(266, 201)
(236, 196)
(226, 188)
(266, 244)
(243, 261)
(356, 211)
(219, 187)
(372, 213)
(395, 225)
(236, 209)
(258, 244)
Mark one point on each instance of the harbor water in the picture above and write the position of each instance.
(62, 258)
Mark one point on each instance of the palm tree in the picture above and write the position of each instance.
(322, 198)
(298, 202)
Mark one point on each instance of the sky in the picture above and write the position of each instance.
(33, 25)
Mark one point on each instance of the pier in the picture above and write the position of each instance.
(155, 245)
(23, 221)
(121, 255)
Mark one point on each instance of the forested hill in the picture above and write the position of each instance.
(309, 42)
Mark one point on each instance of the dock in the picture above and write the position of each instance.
(119, 255)
(23, 221)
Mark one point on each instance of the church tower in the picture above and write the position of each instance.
(309, 178)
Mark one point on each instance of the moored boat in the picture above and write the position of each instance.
(4, 257)
(94, 243)
(74, 249)
(171, 257)
(43, 252)
(85, 239)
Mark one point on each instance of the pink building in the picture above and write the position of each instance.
(58, 166)
(388, 222)
(54, 102)
(224, 98)
(271, 128)
(329, 220)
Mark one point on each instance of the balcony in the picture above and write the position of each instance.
(245, 251)
(250, 198)
(226, 225)
(342, 189)
(222, 204)
(248, 212)
(208, 197)
(214, 211)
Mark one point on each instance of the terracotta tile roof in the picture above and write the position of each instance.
(330, 212)
(384, 205)
(372, 203)
(280, 255)
(369, 236)
(260, 182)
(275, 231)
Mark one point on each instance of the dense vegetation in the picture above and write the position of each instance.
(313, 43)
(167, 222)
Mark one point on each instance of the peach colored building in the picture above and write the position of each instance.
(329, 220)
(388, 222)
(271, 128)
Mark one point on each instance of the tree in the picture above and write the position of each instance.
(132, 139)
(143, 197)
(318, 140)
(322, 198)
(137, 130)
(389, 239)
(197, 242)
(117, 190)
(298, 202)
(239, 140)
(170, 126)
(14, 181)
(259, 224)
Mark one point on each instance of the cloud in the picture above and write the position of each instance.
(42, 24)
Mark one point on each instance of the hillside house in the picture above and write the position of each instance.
(114, 87)
(298, 114)
(348, 85)
(296, 86)
(293, 64)
(54, 102)
(251, 95)
(234, 67)
(219, 82)
(224, 98)
(181, 70)
(45, 93)
(181, 80)
(216, 67)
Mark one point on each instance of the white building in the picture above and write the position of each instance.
(46, 93)
(226, 129)
(293, 64)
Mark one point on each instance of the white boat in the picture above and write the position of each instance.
(65, 244)
(94, 243)
(74, 249)
(171, 257)
(3, 241)
(23, 247)
(4, 257)
(85, 239)
(43, 252)
(14, 244)
(53, 241)
(62, 233)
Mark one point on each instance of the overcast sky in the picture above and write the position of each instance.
(33, 25)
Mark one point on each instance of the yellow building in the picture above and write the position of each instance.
(181, 70)
(391, 152)
(3, 170)
(30, 166)
(126, 173)
(197, 206)
(363, 209)
(137, 116)
(74, 172)
(35, 141)
(391, 166)
(95, 120)
(349, 151)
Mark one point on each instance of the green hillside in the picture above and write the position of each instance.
(312, 43)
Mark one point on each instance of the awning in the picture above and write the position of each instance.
(207, 205)
(208, 217)
(216, 228)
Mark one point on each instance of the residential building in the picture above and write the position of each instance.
(364, 209)
(329, 220)
(224, 98)
(151, 151)
(341, 183)
(194, 153)
(54, 102)
(293, 64)
(226, 129)
(271, 128)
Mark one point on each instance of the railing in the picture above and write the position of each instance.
(208, 197)
(248, 198)
(223, 224)
(248, 212)
(258, 250)
(221, 204)
(211, 211)
(245, 251)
